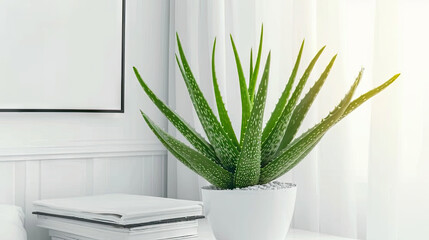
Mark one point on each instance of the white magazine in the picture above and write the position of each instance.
(121, 209)
(71, 229)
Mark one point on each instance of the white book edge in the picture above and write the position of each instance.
(92, 231)
(120, 208)
(120, 221)
(56, 235)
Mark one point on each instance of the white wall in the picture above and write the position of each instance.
(48, 155)
(22, 182)
(146, 48)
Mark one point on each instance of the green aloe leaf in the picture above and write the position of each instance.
(365, 97)
(187, 131)
(197, 162)
(352, 106)
(281, 104)
(253, 79)
(251, 65)
(303, 155)
(223, 114)
(249, 164)
(224, 147)
(271, 144)
(302, 108)
(245, 100)
(290, 156)
(361, 99)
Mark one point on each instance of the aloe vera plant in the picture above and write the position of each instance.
(261, 154)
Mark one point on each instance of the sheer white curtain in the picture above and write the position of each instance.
(368, 178)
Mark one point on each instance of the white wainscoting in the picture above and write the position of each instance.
(30, 174)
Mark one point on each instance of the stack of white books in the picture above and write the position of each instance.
(119, 217)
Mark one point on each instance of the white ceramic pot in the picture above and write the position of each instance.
(249, 214)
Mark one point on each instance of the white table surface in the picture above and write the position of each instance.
(204, 233)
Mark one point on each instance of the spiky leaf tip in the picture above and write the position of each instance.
(179, 123)
(246, 106)
(254, 78)
(197, 162)
(352, 106)
(281, 104)
(224, 147)
(290, 156)
(223, 114)
(302, 108)
(272, 142)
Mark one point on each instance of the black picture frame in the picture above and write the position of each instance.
(92, 110)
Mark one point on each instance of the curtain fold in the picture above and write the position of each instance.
(367, 179)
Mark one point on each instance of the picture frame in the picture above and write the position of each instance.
(102, 89)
